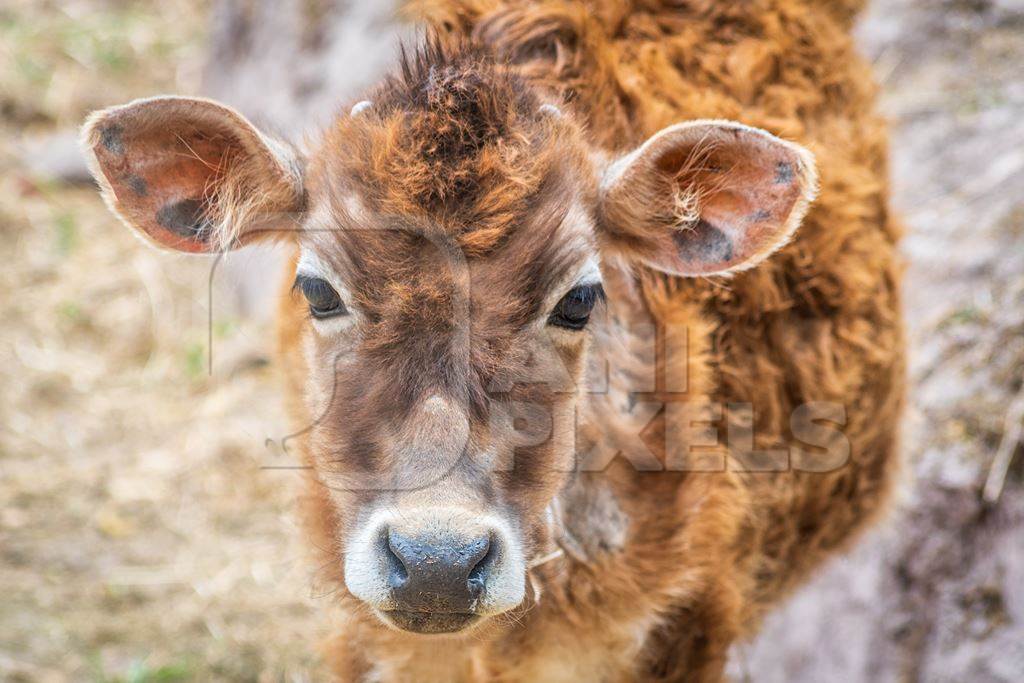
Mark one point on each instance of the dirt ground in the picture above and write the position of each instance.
(146, 528)
(140, 540)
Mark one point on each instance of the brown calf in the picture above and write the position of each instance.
(565, 422)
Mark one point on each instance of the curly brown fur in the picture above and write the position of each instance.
(456, 208)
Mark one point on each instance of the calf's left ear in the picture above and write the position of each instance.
(706, 198)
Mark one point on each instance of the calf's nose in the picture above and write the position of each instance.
(437, 573)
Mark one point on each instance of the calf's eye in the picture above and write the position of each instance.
(324, 302)
(573, 311)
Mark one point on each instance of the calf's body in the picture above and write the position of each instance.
(726, 422)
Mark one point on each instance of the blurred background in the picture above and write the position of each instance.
(146, 525)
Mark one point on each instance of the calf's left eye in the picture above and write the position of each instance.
(324, 301)
(573, 311)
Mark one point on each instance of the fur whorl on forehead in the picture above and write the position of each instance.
(453, 137)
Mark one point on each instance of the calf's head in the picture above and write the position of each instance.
(453, 232)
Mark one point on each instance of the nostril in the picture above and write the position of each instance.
(478, 574)
(398, 573)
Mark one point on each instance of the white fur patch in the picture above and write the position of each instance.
(550, 110)
(360, 107)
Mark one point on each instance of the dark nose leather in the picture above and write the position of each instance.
(437, 573)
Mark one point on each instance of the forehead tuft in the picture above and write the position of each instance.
(452, 138)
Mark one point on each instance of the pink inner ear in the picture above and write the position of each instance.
(161, 177)
(747, 186)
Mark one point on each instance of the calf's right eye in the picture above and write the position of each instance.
(324, 302)
(573, 311)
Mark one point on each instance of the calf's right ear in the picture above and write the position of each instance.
(192, 175)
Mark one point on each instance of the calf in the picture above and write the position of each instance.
(566, 416)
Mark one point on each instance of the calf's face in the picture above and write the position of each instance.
(452, 235)
(444, 382)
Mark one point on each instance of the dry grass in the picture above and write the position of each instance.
(140, 540)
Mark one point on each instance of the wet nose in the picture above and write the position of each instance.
(437, 573)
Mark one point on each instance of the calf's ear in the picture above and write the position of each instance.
(190, 174)
(706, 198)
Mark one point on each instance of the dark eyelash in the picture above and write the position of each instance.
(591, 294)
(596, 291)
(299, 279)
